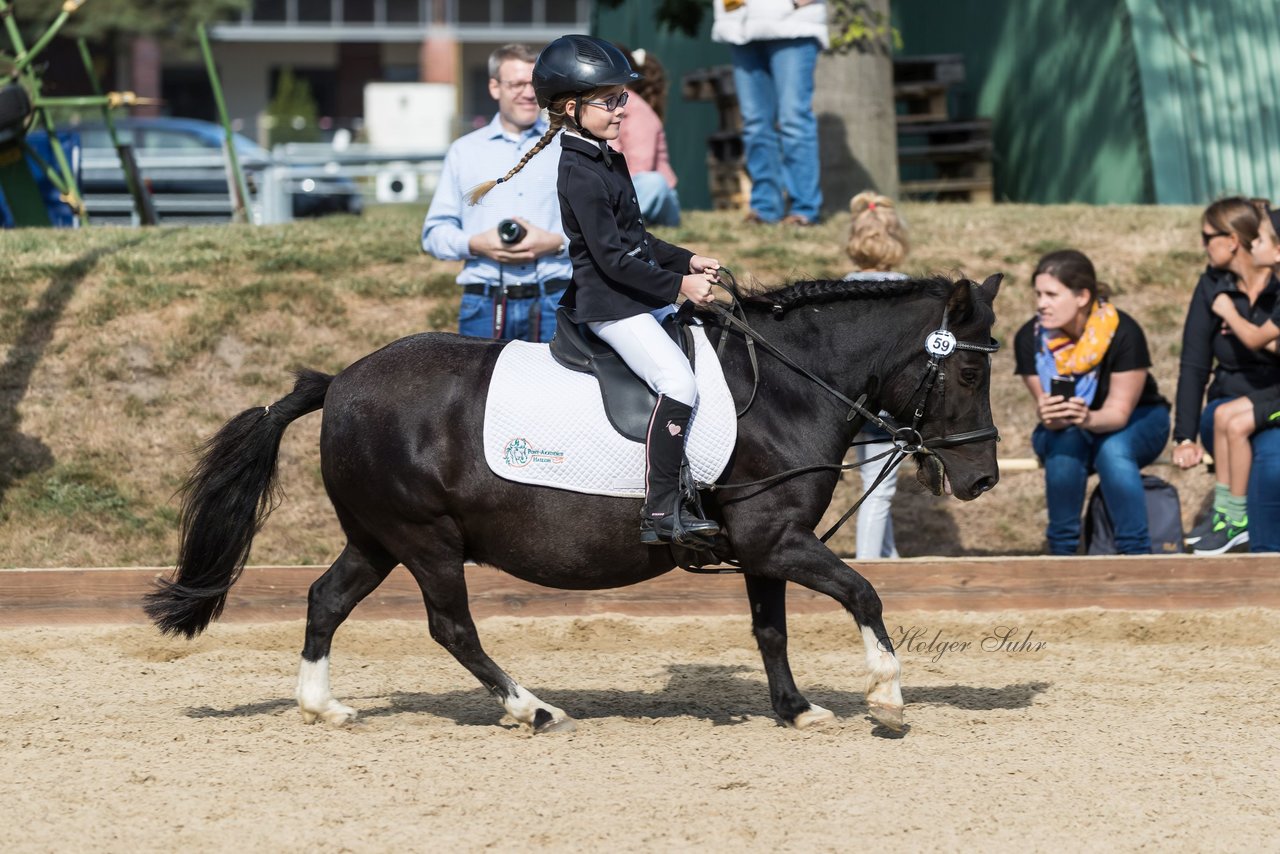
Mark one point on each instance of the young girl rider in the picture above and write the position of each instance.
(625, 280)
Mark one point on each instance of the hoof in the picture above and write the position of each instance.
(335, 714)
(813, 717)
(544, 723)
(889, 716)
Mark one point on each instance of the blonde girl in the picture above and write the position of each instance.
(877, 244)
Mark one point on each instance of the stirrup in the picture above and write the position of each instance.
(679, 529)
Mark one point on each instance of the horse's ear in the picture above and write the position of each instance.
(987, 290)
(960, 304)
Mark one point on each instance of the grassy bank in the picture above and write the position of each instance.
(123, 349)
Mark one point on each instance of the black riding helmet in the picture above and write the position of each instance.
(573, 65)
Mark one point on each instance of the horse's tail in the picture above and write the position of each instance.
(225, 501)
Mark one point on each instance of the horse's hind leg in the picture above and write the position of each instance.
(353, 576)
(768, 598)
(444, 589)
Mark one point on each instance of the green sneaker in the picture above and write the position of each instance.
(1225, 537)
(1204, 526)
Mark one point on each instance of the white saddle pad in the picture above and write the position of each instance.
(545, 424)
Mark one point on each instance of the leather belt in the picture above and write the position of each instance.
(553, 286)
(502, 293)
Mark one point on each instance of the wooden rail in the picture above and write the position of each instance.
(113, 595)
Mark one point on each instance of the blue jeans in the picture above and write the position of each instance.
(659, 204)
(1264, 481)
(774, 79)
(475, 318)
(1069, 455)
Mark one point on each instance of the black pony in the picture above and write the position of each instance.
(401, 455)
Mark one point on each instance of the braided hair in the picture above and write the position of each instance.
(557, 120)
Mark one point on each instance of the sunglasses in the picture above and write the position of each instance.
(611, 103)
(1207, 236)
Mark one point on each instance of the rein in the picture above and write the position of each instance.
(939, 344)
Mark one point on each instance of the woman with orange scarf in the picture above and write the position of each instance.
(1087, 367)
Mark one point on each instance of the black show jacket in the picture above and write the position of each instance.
(1210, 347)
(619, 269)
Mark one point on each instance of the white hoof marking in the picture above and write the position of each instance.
(525, 708)
(314, 698)
(884, 685)
(812, 717)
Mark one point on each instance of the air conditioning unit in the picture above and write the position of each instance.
(397, 185)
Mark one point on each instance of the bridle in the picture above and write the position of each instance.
(939, 345)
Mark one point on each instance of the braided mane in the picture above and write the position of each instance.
(787, 297)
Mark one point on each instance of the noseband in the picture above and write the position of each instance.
(939, 344)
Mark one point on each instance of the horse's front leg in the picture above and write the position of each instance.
(768, 598)
(795, 554)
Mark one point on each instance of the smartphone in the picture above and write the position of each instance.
(1065, 386)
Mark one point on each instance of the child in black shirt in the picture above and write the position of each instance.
(1235, 421)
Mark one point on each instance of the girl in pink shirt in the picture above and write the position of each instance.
(643, 142)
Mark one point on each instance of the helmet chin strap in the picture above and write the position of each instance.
(605, 150)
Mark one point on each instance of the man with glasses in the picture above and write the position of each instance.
(513, 275)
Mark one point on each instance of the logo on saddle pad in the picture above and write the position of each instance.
(518, 454)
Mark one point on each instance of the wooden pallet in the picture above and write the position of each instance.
(921, 102)
(973, 190)
(921, 84)
(726, 171)
(715, 84)
(945, 68)
(730, 184)
(709, 84)
(958, 154)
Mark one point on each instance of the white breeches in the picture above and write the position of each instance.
(647, 349)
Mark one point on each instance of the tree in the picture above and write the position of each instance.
(292, 111)
(170, 22)
(853, 97)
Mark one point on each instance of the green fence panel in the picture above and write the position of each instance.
(688, 123)
(1059, 81)
(1211, 83)
(1104, 101)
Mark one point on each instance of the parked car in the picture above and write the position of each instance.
(156, 140)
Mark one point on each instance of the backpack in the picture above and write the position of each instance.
(1164, 520)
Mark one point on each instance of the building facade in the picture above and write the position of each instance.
(338, 46)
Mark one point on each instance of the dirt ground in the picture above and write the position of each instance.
(1128, 730)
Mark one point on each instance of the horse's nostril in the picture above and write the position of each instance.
(986, 484)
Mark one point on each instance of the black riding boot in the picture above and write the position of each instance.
(666, 519)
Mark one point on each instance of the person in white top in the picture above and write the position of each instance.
(877, 244)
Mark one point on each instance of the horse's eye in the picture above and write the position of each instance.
(969, 376)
